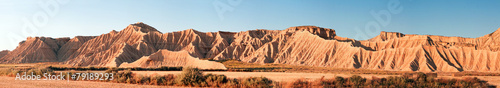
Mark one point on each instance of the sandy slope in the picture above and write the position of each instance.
(167, 58)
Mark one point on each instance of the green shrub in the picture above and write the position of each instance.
(191, 77)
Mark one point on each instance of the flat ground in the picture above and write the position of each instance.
(10, 82)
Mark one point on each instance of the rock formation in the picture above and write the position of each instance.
(3, 53)
(140, 45)
(166, 58)
(35, 49)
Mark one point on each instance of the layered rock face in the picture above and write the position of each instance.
(140, 45)
(3, 53)
(35, 49)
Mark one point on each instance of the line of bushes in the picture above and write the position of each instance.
(12, 72)
(192, 77)
(106, 68)
(259, 69)
(421, 80)
(9, 72)
(459, 74)
(163, 68)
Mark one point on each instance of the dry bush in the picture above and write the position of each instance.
(232, 83)
(191, 77)
(9, 72)
(162, 80)
(170, 79)
(340, 81)
(5, 71)
(299, 83)
(124, 77)
(257, 82)
(156, 80)
(111, 70)
(357, 80)
(139, 79)
(215, 80)
(40, 71)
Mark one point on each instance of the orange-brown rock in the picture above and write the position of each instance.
(3, 53)
(35, 49)
(113, 48)
(140, 45)
(136, 41)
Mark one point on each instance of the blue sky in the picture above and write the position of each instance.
(350, 18)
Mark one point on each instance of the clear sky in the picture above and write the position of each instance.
(350, 18)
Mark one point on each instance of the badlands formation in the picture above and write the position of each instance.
(3, 53)
(140, 45)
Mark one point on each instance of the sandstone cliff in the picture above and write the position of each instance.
(140, 45)
(3, 53)
(35, 49)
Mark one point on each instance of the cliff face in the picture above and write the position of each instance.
(35, 49)
(140, 45)
(3, 53)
